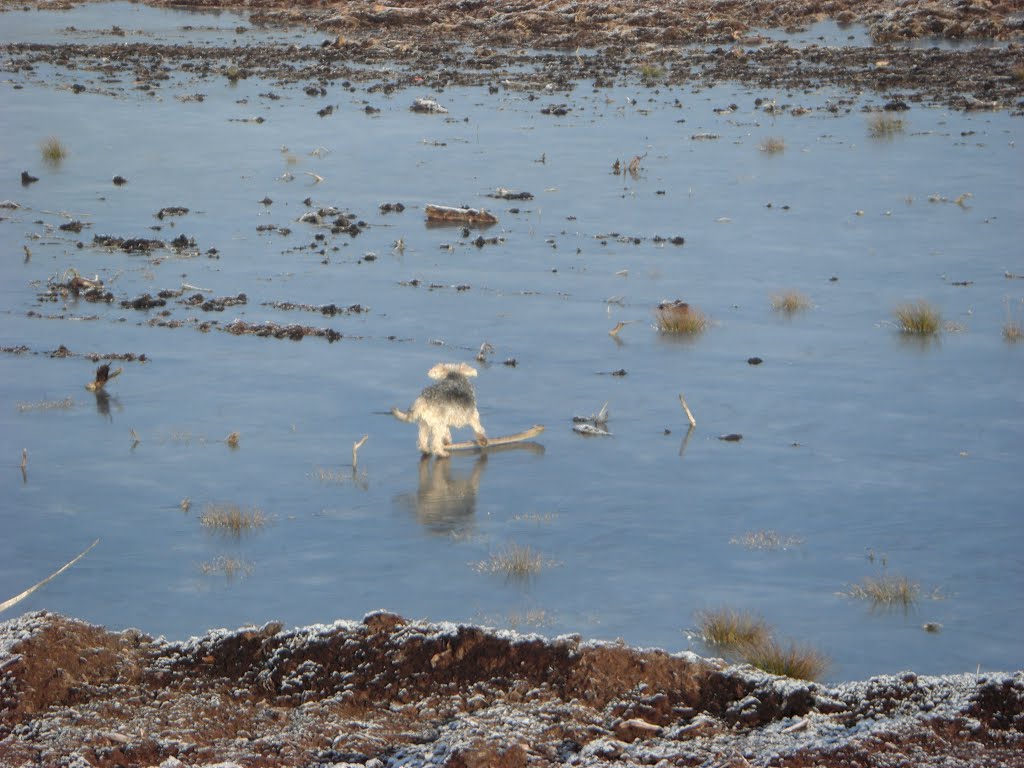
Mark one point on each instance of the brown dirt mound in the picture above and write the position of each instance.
(386, 691)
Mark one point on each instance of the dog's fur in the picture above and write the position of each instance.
(449, 403)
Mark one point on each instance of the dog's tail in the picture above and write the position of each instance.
(401, 415)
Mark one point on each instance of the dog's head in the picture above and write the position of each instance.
(443, 370)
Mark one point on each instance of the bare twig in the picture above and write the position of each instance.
(689, 413)
(355, 450)
(18, 598)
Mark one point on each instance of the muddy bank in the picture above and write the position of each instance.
(532, 45)
(386, 691)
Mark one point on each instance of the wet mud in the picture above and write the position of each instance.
(530, 45)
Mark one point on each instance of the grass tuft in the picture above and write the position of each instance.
(918, 318)
(773, 145)
(884, 126)
(887, 590)
(789, 659)
(53, 150)
(231, 518)
(651, 73)
(790, 302)
(516, 561)
(730, 630)
(1012, 331)
(680, 317)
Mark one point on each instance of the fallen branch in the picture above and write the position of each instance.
(492, 442)
(18, 598)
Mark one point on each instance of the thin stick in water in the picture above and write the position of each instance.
(689, 414)
(18, 598)
(355, 450)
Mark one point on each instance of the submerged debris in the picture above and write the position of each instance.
(294, 332)
(103, 375)
(428, 106)
(330, 310)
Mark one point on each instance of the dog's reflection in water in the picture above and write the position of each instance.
(445, 500)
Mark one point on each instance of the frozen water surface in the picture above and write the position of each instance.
(878, 453)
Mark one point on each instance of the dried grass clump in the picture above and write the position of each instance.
(789, 659)
(773, 145)
(680, 317)
(731, 630)
(1012, 331)
(517, 561)
(53, 150)
(748, 638)
(918, 318)
(884, 126)
(790, 302)
(231, 518)
(887, 590)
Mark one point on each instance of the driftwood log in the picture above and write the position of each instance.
(445, 214)
(493, 442)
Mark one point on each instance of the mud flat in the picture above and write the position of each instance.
(386, 691)
(437, 44)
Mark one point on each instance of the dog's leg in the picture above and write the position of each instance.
(423, 441)
(478, 428)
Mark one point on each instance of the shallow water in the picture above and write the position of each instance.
(880, 453)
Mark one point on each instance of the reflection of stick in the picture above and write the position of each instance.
(689, 415)
(355, 450)
(15, 600)
(469, 445)
(686, 439)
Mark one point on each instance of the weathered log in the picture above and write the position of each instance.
(444, 214)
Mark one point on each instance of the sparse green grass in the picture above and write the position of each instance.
(773, 145)
(47, 405)
(790, 302)
(53, 150)
(651, 73)
(790, 659)
(887, 590)
(884, 126)
(680, 317)
(767, 540)
(230, 567)
(517, 561)
(231, 518)
(730, 630)
(918, 318)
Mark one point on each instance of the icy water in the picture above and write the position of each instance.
(865, 452)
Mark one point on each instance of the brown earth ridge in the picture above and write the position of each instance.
(390, 692)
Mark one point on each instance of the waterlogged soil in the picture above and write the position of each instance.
(390, 692)
(439, 44)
